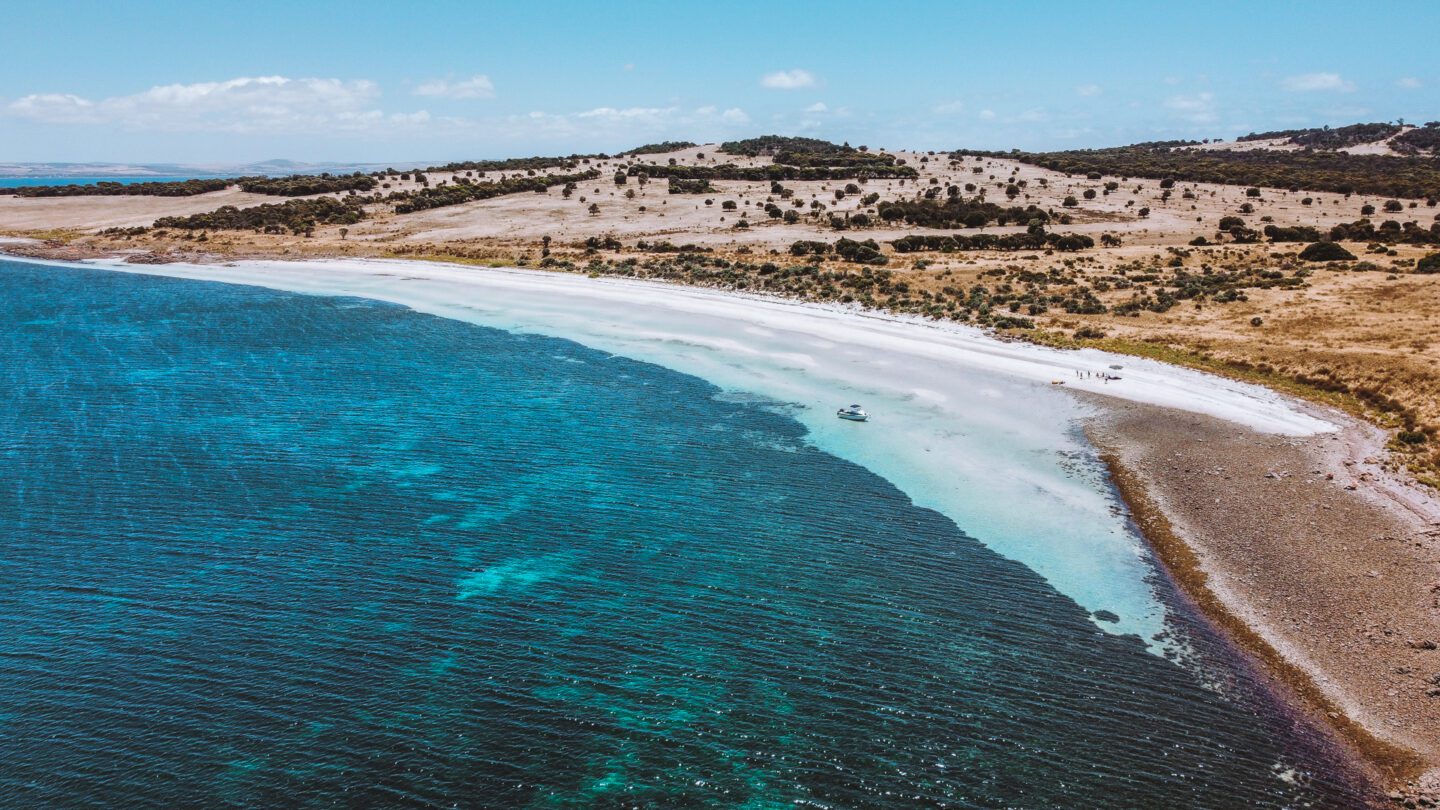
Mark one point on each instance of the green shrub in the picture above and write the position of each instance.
(1326, 252)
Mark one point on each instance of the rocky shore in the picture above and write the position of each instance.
(1312, 557)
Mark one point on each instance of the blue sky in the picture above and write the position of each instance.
(384, 81)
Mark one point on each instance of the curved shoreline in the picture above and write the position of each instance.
(1152, 500)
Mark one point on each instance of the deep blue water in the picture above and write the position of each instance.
(19, 182)
(266, 549)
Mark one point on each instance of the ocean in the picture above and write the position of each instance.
(262, 548)
(66, 180)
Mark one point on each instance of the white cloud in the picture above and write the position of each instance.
(1409, 83)
(987, 115)
(1199, 108)
(1088, 90)
(264, 104)
(817, 107)
(620, 124)
(478, 86)
(630, 113)
(788, 79)
(948, 108)
(59, 108)
(1311, 82)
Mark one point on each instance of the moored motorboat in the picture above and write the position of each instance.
(854, 413)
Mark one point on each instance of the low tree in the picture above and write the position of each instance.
(1326, 252)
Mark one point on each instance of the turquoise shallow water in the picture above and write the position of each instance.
(259, 548)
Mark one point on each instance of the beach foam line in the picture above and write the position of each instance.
(962, 422)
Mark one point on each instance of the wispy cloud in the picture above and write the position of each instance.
(1198, 108)
(817, 107)
(273, 105)
(263, 104)
(948, 107)
(478, 86)
(1087, 90)
(55, 108)
(788, 79)
(620, 123)
(1317, 82)
(1409, 83)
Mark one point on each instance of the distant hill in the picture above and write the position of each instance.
(277, 166)
(1374, 138)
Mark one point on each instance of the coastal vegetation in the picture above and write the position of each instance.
(463, 190)
(1389, 232)
(1339, 172)
(518, 164)
(957, 211)
(689, 185)
(297, 216)
(1327, 137)
(1420, 140)
(1326, 252)
(110, 188)
(857, 252)
(774, 144)
(1033, 240)
(658, 148)
(773, 172)
(301, 185)
(816, 153)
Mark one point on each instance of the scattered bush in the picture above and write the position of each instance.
(302, 185)
(678, 185)
(110, 188)
(1326, 252)
(297, 216)
(1320, 171)
(408, 202)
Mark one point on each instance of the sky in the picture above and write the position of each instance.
(377, 81)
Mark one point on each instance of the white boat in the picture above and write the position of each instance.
(854, 413)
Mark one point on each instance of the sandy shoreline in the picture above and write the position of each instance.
(1332, 593)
